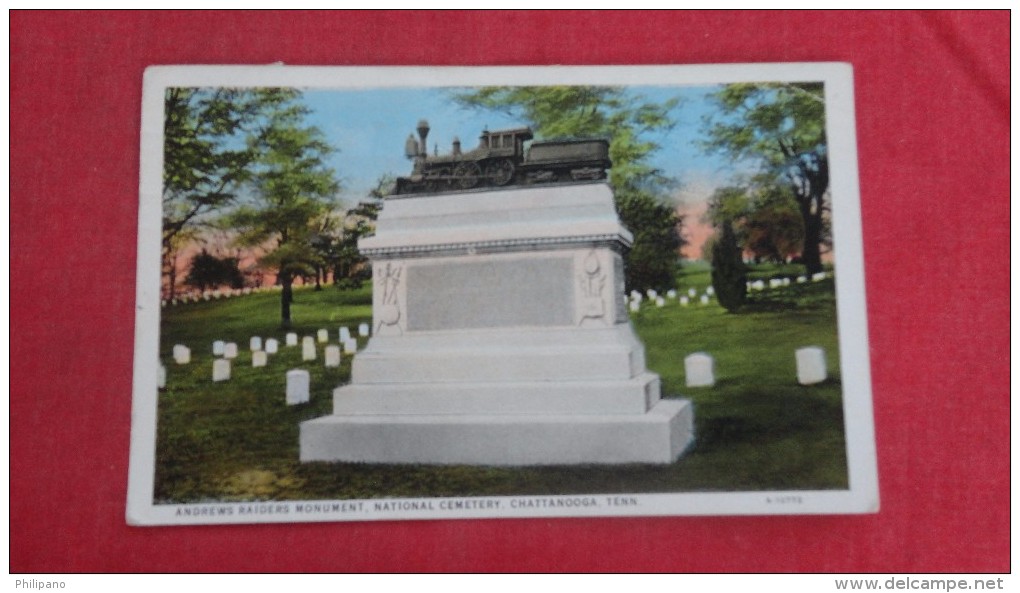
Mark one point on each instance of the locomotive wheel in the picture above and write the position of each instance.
(467, 175)
(500, 172)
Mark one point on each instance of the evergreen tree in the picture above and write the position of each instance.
(729, 275)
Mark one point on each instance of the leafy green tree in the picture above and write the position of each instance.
(207, 156)
(781, 126)
(627, 121)
(292, 189)
(729, 275)
(765, 220)
(209, 271)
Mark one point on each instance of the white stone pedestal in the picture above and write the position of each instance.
(500, 337)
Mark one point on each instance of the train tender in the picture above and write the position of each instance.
(501, 159)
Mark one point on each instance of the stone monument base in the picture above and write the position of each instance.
(659, 436)
(500, 337)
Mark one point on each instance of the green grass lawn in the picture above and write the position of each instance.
(757, 429)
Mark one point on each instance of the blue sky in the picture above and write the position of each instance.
(369, 128)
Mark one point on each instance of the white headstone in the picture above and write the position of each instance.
(350, 346)
(692, 293)
(182, 354)
(332, 355)
(659, 301)
(345, 333)
(775, 282)
(758, 285)
(323, 336)
(684, 301)
(259, 358)
(699, 369)
(651, 294)
(220, 369)
(704, 299)
(307, 348)
(298, 383)
(272, 346)
(217, 347)
(363, 330)
(786, 281)
(255, 344)
(671, 294)
(811, 365)
(710, 290)
(801, 279)
(230, 350)
(635, 306)
(818, 277)
(291, 339)
(161, 376)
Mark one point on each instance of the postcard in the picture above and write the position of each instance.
(388, 293)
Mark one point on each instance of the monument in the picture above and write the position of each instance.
(499, 330)
(500, 336)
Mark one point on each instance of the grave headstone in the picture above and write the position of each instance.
(801, 279)
(818, 277)
(255, 344)
(291, 339)
(182, 354)
(710, 291)
(345, 333)
(671, 294)
(635, 306)
(307, 348)
(323, 336)
(659, 301)
(298, 383)
(350, 346)
(221, 370)
(699, 369)
(811, 365)
(652, 294)
(272, 346)
(217, 347)
(363, 330)
(259, 358)
(758, 285)
(332, 355)
(704, 299)
(692, 293)
(230, 350)
(786, 281)
(684, 301)
(775, 282)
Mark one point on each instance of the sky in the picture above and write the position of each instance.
(369, 128)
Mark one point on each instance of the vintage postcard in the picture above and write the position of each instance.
(437, 293)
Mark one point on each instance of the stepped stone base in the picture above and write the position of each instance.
(659, 436)
(500, 337)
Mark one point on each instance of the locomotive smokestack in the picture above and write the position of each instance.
(456, 145)
(423, 132)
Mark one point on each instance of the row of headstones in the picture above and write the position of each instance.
(299, 381)
(635, 298)
(699, 368)
(759, 285)
(209, 295)
(259, 357)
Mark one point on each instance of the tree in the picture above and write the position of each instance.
(206, 156)
(292, 188)
(209, 271)
(555, 112)
(729, 275)
(765, 220)
(781, 126)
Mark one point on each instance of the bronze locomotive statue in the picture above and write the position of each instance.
(502, 159)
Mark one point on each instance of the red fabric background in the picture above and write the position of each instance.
(933, 130)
